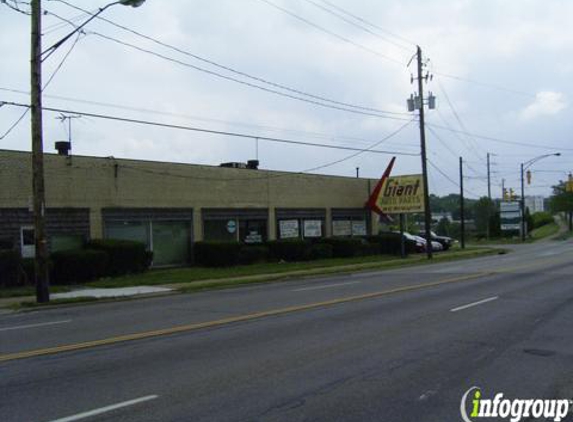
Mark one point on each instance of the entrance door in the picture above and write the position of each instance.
(27, 242)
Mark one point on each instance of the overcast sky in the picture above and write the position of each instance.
(501, 71)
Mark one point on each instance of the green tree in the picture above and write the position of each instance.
(483, 209)
(562, 201)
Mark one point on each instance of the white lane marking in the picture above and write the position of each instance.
(479, 302)
(42, 324)
(105, 409)
(325, 286)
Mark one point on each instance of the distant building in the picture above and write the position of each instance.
(437, 216)
(535, 204)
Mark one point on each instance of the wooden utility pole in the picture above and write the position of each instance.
(462, 209)
(41, 252)
(427, 211)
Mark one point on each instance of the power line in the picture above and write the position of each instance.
(357, 25)
(360, 19)
(252, 85)
(331, 33)
(313, 134)
(230, 69)
(439, 170)
(412, 43)
(211, 131)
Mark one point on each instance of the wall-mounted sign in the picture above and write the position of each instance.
(341, 228)
(231, 226)
(312, 228)
(359, 228)
(288, 229)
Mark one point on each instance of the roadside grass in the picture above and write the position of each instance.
(540, 233)
(326, 266)
(9, 292)
(191, 279)
(544, 231)
(564, 236)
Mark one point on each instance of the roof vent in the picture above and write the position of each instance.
(63, 147)
(253, 164)
(234, 165)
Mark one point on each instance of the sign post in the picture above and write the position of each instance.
(402, 240)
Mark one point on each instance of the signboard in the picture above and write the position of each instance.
(359, 228)
(312, 228)
(397, 194)
(341, 227)
(288, 229)
(231, 226)
(510, 216)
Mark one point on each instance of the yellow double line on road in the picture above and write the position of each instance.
(230, 320)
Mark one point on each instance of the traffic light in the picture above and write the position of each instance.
(528, 177)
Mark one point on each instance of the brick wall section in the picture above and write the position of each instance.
(103, 183)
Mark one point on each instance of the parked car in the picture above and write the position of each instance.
(436, 246)
(445, 241)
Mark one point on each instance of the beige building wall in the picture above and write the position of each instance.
(97, 183)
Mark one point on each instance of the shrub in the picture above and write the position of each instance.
(320, 251)
(541, 219)
(9, 267)
(367, 249)
(76, 266)
(344, 247)
(390, 243)
(289, 250)
(217, 254)
(251, 254)
(28, 273)
(125, 256)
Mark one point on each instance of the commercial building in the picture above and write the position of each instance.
(535, 204)
(169, 206)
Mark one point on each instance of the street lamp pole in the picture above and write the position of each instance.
(38, 188)
(525, 166)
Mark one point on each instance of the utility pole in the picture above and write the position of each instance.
(522, 206)
(357, 172)
(488, 177)
(427, 211)
(488, 194)
(462, 210)
(41, 253)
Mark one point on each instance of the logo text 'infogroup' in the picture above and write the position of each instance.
(513, 409)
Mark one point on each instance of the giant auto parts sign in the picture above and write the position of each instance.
(397, 194)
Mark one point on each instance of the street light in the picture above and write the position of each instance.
(38, 192)
(525, 166)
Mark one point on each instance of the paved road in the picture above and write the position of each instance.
(400, 345)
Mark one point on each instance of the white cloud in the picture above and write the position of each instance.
(547, 103)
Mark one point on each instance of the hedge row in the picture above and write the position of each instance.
(226, 254)
(100, 258)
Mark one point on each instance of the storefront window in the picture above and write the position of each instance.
(66, 242)
(220, 230)
(346, 227)
(253, 231)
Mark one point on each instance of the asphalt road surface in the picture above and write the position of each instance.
(399, 345)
